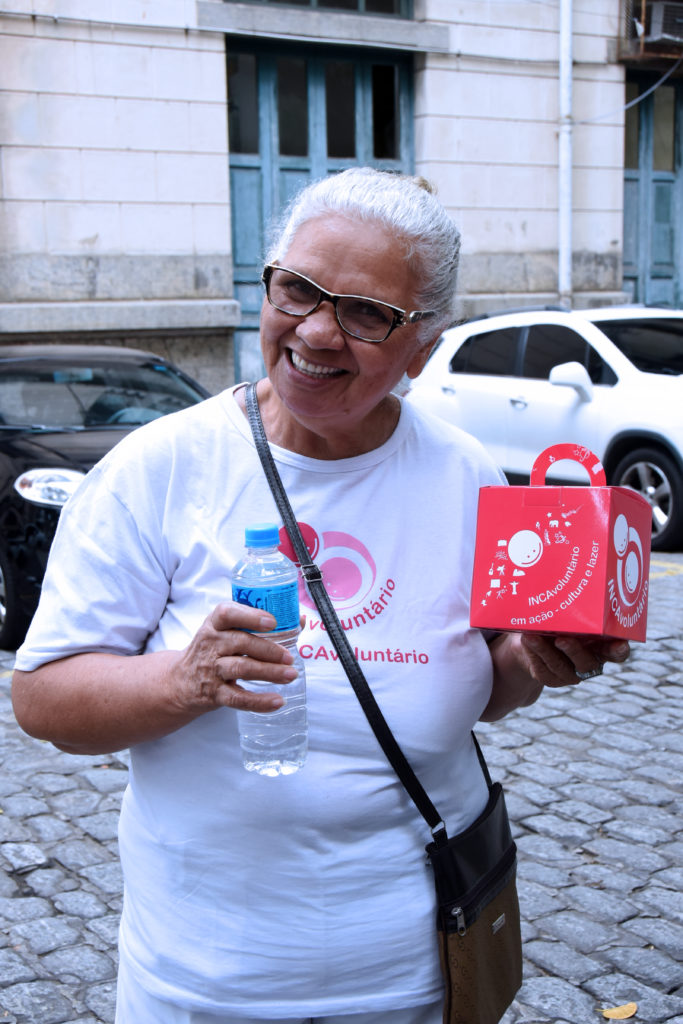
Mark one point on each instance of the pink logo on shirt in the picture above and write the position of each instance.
(348, 568)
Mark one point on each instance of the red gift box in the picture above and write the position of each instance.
(556, 559)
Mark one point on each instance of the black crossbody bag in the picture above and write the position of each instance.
(478, 925)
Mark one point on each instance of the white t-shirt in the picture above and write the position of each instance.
(307, 894)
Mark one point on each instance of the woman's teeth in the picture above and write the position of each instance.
(313, 369)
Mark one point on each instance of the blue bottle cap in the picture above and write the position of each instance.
(262, 535)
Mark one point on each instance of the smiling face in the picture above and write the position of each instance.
(325, 382)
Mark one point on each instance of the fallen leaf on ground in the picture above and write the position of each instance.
(621, 1012)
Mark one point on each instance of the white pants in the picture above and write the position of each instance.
(135, 1006)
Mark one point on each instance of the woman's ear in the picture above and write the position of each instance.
(417, 363)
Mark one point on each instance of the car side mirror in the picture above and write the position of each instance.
(573, 375)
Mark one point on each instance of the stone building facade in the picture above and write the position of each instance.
(132, 208)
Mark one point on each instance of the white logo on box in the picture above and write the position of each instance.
(629, 551)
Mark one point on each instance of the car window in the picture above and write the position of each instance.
(492, 353)
(654, 346)
(599, 371)
(548, 345)
(80, 395)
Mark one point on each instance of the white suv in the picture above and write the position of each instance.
(610, 379)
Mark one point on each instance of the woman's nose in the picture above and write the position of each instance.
(321, 329)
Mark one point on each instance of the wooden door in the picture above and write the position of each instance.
(297, 115)
(653, 183)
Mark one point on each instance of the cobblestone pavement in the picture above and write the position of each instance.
(594, 786)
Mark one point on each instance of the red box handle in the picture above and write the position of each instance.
(575, 452)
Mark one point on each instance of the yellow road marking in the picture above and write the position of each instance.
(662, 567)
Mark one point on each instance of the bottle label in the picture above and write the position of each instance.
(282, 602)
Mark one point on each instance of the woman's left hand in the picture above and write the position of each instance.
(567, 660)
(524, 663)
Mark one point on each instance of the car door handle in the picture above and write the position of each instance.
(519, 403)
(446, 390)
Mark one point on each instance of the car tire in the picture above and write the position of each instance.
(13, 623)
(655, 475)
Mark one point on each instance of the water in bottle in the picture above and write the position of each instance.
(274, 742)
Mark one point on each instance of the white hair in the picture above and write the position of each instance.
(408, 208)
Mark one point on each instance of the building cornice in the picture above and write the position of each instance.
(260, 21)
(140, 315)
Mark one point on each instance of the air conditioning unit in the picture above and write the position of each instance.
(666, 23)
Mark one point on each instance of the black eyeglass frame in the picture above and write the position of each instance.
(401, 317)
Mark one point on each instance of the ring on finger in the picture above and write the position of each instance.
(591, 674)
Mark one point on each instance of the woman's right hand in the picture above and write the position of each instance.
(96, 703)
(205, 675)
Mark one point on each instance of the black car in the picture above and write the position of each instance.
(62, 407)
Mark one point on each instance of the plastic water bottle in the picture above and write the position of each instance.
(272, 742)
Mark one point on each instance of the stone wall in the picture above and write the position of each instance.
(113, 165)
(487, 124)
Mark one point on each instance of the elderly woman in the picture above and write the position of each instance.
(303, 897)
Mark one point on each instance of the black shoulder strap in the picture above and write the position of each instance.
(313, 577)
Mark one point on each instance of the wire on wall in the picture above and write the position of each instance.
(638, 99)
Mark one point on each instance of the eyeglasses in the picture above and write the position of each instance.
(363, 318)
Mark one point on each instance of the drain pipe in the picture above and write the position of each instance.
(565, 158)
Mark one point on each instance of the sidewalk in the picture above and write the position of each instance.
(594, 782)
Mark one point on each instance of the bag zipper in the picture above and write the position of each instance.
(460, 911)
(459, 914)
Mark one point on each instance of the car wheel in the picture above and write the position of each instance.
(655, 475)
(13, 623)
